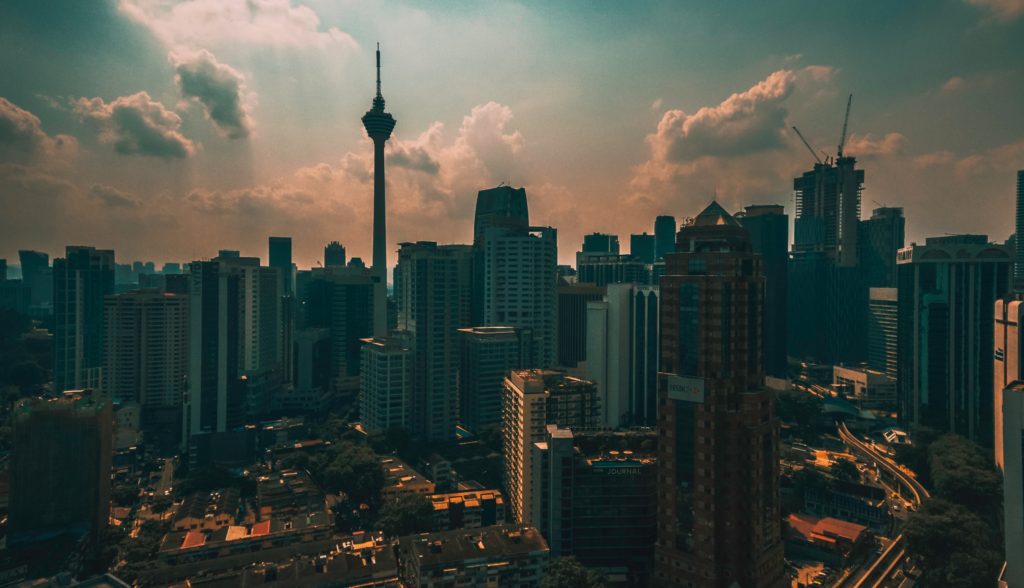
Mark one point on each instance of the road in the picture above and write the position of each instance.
(882, 568)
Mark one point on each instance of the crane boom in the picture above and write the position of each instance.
(846, 121)
(808, 145)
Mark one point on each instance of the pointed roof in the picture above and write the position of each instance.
(714, 214)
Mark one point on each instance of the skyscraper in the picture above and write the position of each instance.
(487, 354)
(281, 258)
(37, 275)
(601, 243)
(1008, 359)
(146, 358)
(532, 399)
(947, 291)
(503, 207)
(768, 226)
(433, 291)
(81, 280)
(718, 449)
(60, 466)
(342, 299)
(1018, 263)
(643, 247)
(379, 125)
(622, 353)
(881, 237)
(385, 394)
(1012, 422)
(664, 235)
(334, 255)
(828, 210)
(572, 320)
(883, 321)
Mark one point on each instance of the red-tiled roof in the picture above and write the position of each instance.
(261, 528)
(193, 539)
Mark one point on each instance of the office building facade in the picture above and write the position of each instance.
(883, 325)
(718, 449)
(385, 395)
(572, 321)
(768, 226)
(81, 280)
(341, 299)
(643, 247)
(487, 355)
(1007, 349)
(1012, 420)
(881, 237)
(664, 235)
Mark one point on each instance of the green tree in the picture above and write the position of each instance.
(411, 513)
(352, 469)
(962, 474)
(957, 548)
(567, 572)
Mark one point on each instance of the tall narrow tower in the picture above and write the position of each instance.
(379, 125)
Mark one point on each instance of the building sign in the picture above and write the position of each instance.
(685, 388)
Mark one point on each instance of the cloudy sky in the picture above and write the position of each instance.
(168, 130)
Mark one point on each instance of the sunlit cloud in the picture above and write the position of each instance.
(219, 88)
(22, 139)
(137, 125)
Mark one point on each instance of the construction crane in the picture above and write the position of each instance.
(808, 145)
(846, 121)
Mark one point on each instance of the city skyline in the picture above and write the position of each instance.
(167, 133)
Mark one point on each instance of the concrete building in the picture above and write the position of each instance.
(718, 445)
(664, 235)
(883, 323)
(947, 290)
(341, 300)
(280, 255)
(37, 275)
(467, 510)
(868, 388)
(643, 247)
(234, 362)
(146, 359)
(501, 555)
(433, 291)
(334, 255)
(1008, 348)
(1012, 420)
(622, 353)
(532, 400)
(401, 480)
(572, 321)
(81, 280)
(1018, 263)
(601, 243)
(828, 210)
(600, 508)
(60, 466)
(385, 395)
(768, 226)
(881, 237)
(487, 355)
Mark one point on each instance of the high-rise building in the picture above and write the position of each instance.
(600, 508)
(81, 280)
(664, 235)
(1018, 263)
(1012, 420)
(622, 353)
(947, 290)
(572, 320)
(601, 243)
(146, 358)
(228, 254)
(3, 270)
(234, 362)
(532, 399)
(385, 394)
(718, 441)
(768, 226)
(828, 210)
(379, 124)
(334, 255)
(433, 292)
(643, 247)
(281, 259)
(881, 237)
(486, 357)
(1008, 359)
(60, 466)
(516, 278)
(38, 276)
(342, 299)
(501, 207)
(603, 269)
(883, 322)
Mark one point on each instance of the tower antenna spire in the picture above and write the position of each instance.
(378, 69)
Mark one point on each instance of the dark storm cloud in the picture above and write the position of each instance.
(414, 158)
(22, 139)
(137, 125)
(219, 88)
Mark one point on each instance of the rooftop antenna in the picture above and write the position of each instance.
(378, 69)
(846, 121)
(808, 145)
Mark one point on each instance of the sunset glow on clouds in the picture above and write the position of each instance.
(168, 130)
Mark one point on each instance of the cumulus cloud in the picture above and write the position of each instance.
(953, 84)
(209, 23)
(22, 139)
(738, 149)
(1003, 10)
(137, 125)
(866, 146)
(219, 88)
(113, 197)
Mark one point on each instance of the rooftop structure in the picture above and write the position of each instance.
(490, 556)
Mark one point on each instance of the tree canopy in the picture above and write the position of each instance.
(568, 572)
(411, 513)
(957, 548)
